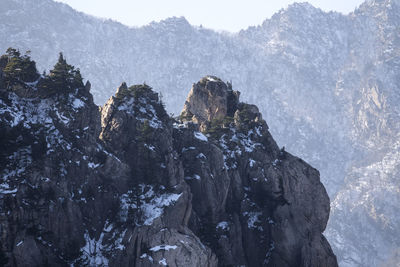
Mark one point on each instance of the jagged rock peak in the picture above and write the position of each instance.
(209, 100)
(136, 91)
(134, 100)
(122, 88)
(132, 107)
(254, 190)
(124, 185)
(88, 86)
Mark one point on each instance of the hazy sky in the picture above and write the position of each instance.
(230, 15)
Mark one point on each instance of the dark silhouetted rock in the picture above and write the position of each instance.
(126, 185)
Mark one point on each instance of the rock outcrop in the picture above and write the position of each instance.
(210, 102)
(265, 206)
(127, 185)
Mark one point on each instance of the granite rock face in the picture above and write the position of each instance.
(265, 206)
(127, 185)
(327, 83)
(209, 102)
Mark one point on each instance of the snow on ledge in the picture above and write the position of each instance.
(223, 225)
(163, 247)
(200, 136)
(78, 103)
(155, 208)
(211, 79)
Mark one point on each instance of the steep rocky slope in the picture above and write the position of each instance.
(327, 84)
(127, 185)
(262, 186)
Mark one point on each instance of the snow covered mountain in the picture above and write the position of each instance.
(327, 84)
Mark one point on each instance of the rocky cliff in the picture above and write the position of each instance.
(327, 83)
(127, 185)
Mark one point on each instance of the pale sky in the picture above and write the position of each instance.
(229, 15)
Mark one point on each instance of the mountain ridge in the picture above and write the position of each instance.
(326, 84)
(126, 184)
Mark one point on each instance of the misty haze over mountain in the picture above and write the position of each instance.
(327, 84)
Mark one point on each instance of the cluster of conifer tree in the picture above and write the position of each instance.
(18, 68)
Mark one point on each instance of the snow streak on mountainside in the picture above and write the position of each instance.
(327, 84)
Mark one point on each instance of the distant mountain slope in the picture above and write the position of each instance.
(327, 84)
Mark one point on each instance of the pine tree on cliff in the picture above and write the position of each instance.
(62, 78)
(17, 67)
(64, 74)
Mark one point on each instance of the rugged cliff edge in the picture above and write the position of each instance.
(126, 185)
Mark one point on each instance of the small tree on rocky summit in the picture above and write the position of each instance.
(64, 74)
(18, 68)
(63, 77)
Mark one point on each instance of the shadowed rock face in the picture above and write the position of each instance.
(126, 185)
(84, 186)
(265, 206)
(328, 85)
